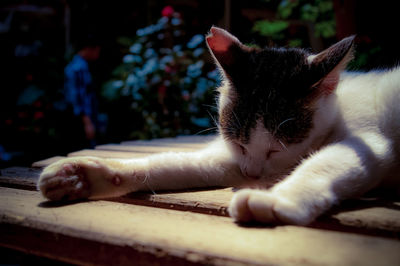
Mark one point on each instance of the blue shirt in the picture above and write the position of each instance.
(77, 86)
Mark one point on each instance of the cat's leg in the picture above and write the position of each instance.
(89, 177)
(338, 171)
(86, 177)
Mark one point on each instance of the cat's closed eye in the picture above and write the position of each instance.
(270, 153)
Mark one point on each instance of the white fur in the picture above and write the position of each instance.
(358, 155)
(224, 97)
(352, 148)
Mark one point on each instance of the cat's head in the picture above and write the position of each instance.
(272, 104)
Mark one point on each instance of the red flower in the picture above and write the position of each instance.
(37, 104)
(38, 115)
(167, 11)
(168, 69)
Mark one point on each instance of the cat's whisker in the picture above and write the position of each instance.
(282, 144)
(145, 181)
(207, 129)
(282, 123)
(213, 118)
(285, 121)
(228, 129)
(237, 119)
(211, 106)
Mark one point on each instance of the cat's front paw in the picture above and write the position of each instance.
(252, 205)
(64, 180)
(267, 207)
(68, 179)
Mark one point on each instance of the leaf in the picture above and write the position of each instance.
(121, 70)
(285, 8)
(109, 91)
(125, 41)
(326, 29)
(309, 13)
(295, 43)
(271, 28)
(325, 6)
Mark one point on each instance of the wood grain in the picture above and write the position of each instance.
(192, 141)
(108, 154)
(376, 216)
(19, 177)
(188, 227)
(175, 236)
(146, 148)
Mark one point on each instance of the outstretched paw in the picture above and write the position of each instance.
(66, 179)
(252, 205)
(266, 207)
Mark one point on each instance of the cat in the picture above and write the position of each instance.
(297, 133)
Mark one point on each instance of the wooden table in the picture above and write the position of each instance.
(184, 228)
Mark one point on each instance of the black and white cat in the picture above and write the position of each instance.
(295, 129)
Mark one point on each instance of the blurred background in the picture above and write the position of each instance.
(79, 73)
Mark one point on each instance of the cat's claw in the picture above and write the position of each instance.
(266, 207)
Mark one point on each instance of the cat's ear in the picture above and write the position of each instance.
(223, 46)
(330, 63)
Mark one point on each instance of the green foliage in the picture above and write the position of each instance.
(294, 12)
(325, 29)
(364, 54)
(273, 29)
(286, 8)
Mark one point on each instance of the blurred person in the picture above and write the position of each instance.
(80, 93)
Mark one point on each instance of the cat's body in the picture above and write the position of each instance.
(293, 127)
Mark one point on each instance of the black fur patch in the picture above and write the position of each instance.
(273, 85)
(277, 86)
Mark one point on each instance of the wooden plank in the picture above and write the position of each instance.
(117, 151)
(213, 201)
(46, 162)
(19, 177)
(363, 216)
(193, 141)
(183, 143)
(370, 218)
(164, 144)
(108, 154)
(164, 235)
(145, 149)
(370, 215)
